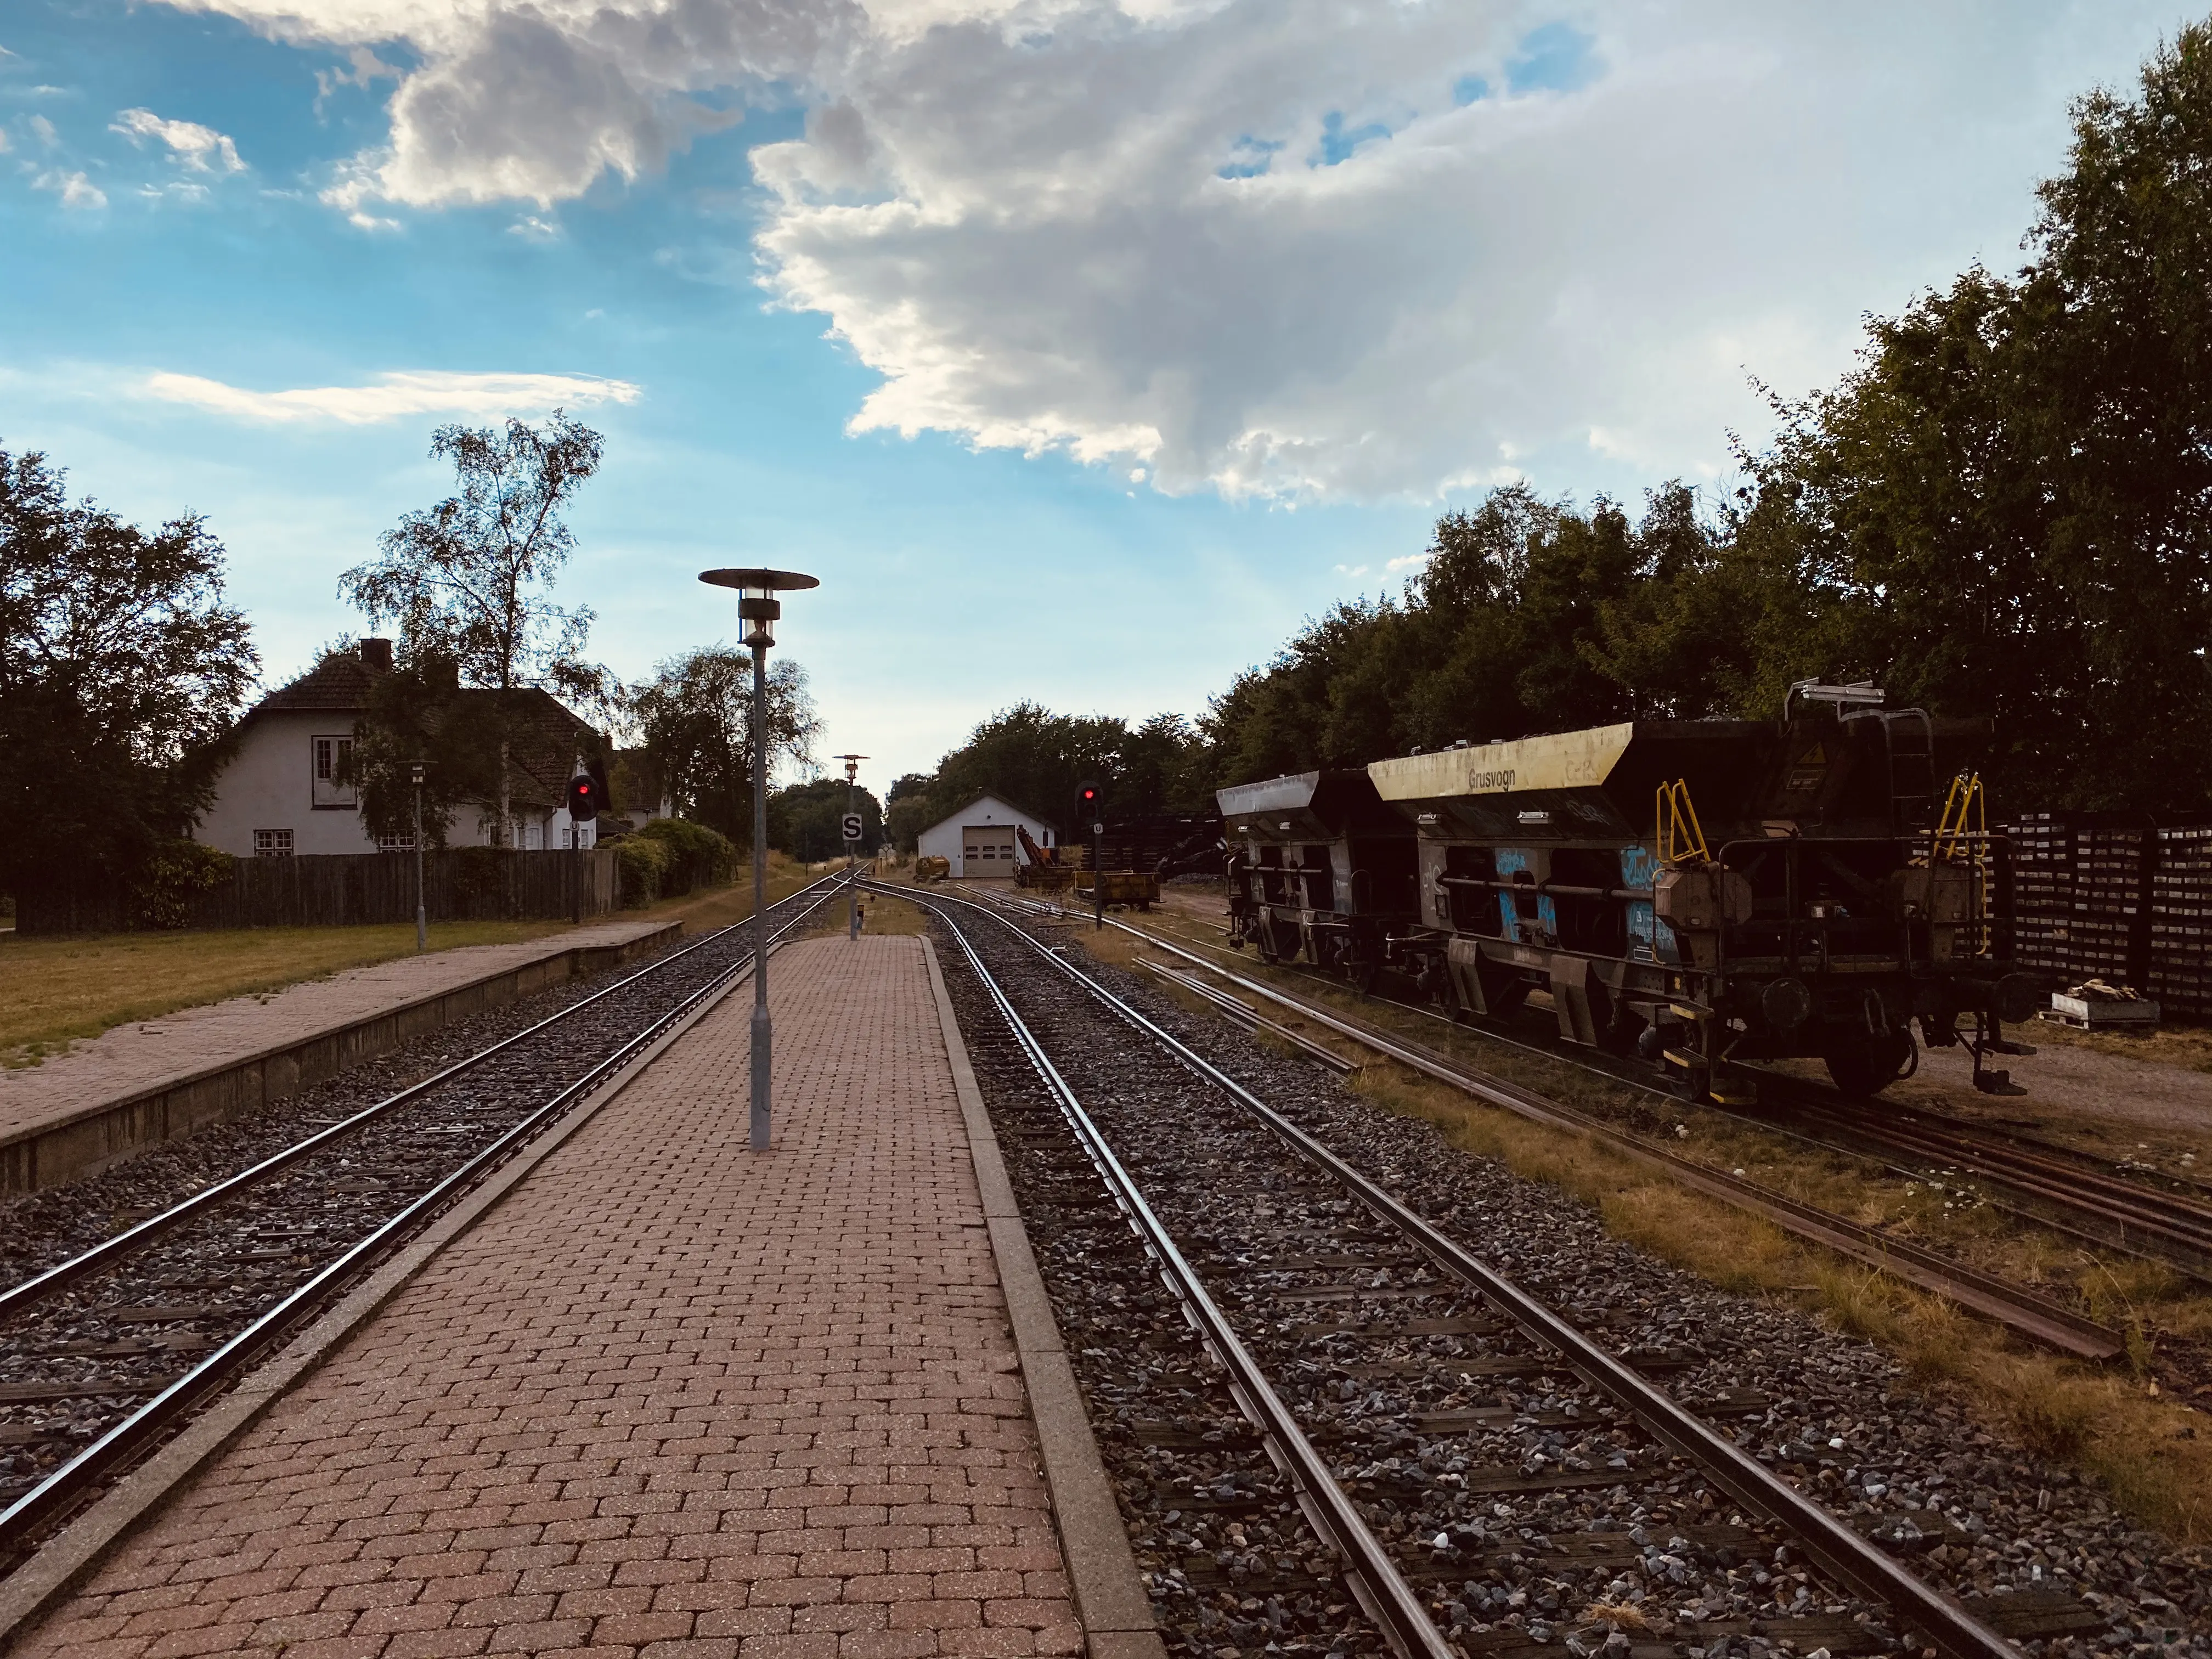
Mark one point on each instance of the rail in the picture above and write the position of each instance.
(68, 1486)
(2012, 1305)
(1851, 1560)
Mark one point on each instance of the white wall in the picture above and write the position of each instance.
(942, 840)
(270, 785)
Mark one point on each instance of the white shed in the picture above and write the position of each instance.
(979, 839)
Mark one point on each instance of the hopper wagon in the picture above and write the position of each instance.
(1697, 893)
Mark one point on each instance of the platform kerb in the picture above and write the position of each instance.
(130, 1089)
(669, 1392)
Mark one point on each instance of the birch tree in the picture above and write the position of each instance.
(470, 579)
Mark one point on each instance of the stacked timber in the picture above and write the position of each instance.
(2181, 921)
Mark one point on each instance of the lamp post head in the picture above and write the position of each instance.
(757, 605)
(852, 765)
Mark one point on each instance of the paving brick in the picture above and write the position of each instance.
(669, 1395)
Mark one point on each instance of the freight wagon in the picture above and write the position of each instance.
(1699, 893)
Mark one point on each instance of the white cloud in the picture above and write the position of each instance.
(393, 396)
(203, 149)
(5, 146)
(75, 189)
(44, 129)
(1281, 247)
(1409, 562)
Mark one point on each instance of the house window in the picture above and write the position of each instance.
(395, 843)
(533, 838)
(331, 755)
(272, 843)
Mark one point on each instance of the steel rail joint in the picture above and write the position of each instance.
(1852, 1560)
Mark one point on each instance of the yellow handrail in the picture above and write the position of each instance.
(1966, 815)
(1962, 836)
(1681, 839)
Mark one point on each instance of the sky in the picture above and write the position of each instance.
(1082, 347)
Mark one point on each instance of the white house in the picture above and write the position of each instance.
(279, 795)
(979, 839)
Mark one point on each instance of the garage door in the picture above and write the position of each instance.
(988, 850)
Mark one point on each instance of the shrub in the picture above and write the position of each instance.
(696, 856)
(644, 863)
(165, 885)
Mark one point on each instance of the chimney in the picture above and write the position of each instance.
(377, 654)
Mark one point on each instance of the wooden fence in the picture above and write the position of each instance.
(340, 890)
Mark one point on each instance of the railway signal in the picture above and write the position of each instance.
(1092, 802)
(852, 825)
(583, 800)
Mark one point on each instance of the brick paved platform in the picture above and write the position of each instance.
(71, 1114)
(670, 1397)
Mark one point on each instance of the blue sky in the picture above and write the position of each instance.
(1080, 352)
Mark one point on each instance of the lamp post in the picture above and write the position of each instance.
(853, 847)
(422, 920)
(759, 608)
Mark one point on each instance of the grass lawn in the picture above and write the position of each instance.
(56, 989)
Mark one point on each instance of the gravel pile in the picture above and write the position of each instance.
(1529, 1512)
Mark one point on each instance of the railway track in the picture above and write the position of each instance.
(1465, 1452)
(2085, 1198)
(2038, 1317)
(105, 1354)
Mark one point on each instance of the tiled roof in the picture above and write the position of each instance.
(341, 680)
(546, 741)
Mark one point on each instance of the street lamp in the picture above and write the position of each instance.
(853, 845)
(422, 921)
(758, 607)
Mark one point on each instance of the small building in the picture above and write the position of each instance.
(281, 795)
(979, 839)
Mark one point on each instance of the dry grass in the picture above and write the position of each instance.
(59, 989)
(2155, 1455)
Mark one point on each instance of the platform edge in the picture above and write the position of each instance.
(63, 1564)
(1111, 1602)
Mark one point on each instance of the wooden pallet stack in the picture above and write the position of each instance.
(2039, 871)
(2181, 923)
(2108, 936)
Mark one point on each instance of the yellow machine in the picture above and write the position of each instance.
(932, 869)
(1042, 869)
(1137, 888)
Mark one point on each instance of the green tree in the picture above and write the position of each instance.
(1031, 759)
(695, 720)
(806, 820)
(467, 581)
(121, 673)
(906, 809)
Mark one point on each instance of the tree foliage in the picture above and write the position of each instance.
(1032, 758)
(806, 820)
(2004, 509)
(468, 581)
(121, 673)
(696, 719)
